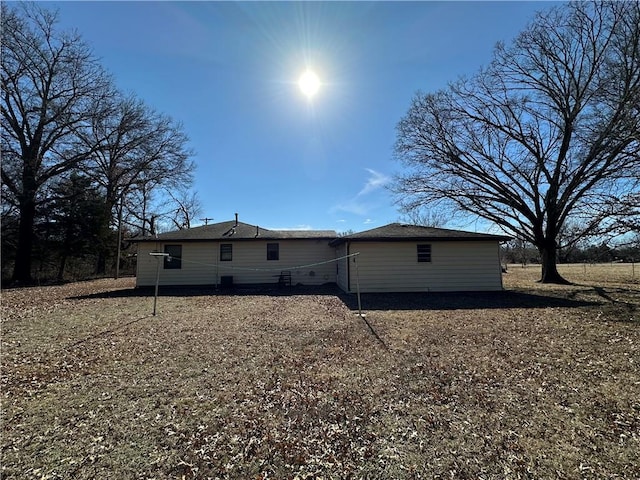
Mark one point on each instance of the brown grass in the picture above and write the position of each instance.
(538, 382)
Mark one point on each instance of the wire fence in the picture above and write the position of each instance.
(606, 272)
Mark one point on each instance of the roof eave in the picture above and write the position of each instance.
(225, 239)
(496, 238)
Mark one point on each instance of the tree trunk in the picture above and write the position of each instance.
(62, 266)
(101, 264)
(103, 247)
(66, 251)
(550, 272)
(22, 267)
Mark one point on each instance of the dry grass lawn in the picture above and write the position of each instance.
(535, 382)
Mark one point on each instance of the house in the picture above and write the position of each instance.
(236, 253)
(411, 258)
(392, 258)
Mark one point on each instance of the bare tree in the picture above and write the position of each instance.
(143, 210)
(569, 240)
(425, 218)
(628, 213)
(50, 85)
(160, 210)
(75, 217)
(139, 149)
(136, 144)
(188, 208)
(549, 132)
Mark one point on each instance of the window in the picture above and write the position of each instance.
(226, 252)
(273, 251)
(424, 253)
(174, 260)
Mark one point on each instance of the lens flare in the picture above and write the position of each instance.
(309, 83)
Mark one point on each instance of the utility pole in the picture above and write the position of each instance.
(206, 220)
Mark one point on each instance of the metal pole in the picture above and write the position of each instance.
(119, 237)
(155, 296)
(158, 256)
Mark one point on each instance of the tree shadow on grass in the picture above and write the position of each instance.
(370, 301)
(623, 301)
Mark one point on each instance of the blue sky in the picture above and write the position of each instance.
(228, 71)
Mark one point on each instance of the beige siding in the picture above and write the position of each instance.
(342, 267)
(196, 265)
(249, 264)
(454, 266)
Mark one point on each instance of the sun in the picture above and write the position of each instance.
(309, 83)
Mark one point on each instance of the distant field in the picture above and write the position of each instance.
(588, 273)
(536, 382)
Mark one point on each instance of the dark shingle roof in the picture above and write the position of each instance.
(402, 232)
(243, 231)
(235, 231)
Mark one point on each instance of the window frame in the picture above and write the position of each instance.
(226, 252)
(273, 251)
(424, 252)
(172, 261)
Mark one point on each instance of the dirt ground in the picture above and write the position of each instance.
(535, 382)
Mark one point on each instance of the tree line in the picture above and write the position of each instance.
(522, 252)
(83, 163)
